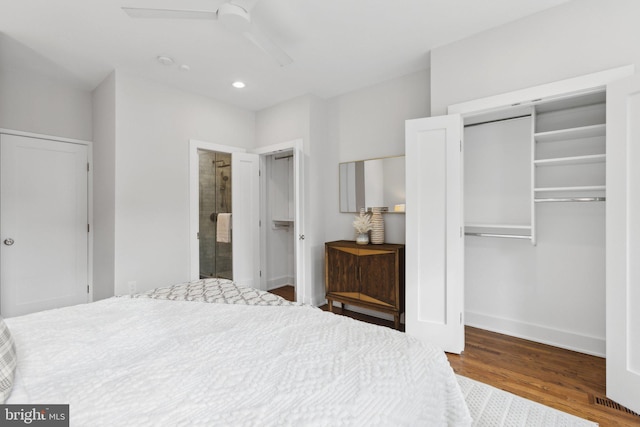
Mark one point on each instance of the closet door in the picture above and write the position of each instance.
(623, 242)
(434, 242)
(245, 202)
(301, 250)
(43, 218)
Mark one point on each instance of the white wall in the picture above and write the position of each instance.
(318, 164)
(364, 124)
(283, 122)
(579, 37)
(104, 181)
(153, 126)
(536, 295)
(32, 102)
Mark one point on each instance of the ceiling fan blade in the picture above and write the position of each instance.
(136, 12)
(259, 39)
(245, 4)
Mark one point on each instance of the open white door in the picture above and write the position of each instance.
(623, 242)
(298, 196)
(434, 241)
(245, 208)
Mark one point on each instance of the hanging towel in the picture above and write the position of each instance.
(223, 231)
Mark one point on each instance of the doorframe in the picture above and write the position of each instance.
(530, 96)
(89, 145)
(301, 257)
(194, 202)
(622, 243)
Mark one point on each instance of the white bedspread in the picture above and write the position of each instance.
(147, 362)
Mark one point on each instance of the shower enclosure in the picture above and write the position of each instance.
(215, 199)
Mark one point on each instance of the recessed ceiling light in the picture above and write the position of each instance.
(165, 60)
(238, 84)
(185, 67)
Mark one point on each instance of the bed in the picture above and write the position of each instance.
(213, 353)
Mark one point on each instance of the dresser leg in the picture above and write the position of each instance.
(330, 304)
(396, 321)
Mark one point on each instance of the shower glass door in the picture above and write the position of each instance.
(215, 214)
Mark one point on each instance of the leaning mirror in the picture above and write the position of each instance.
(372, 183)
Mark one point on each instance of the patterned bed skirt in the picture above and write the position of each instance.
(220, 291)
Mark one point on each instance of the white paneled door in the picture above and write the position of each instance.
(435, 244)
(245, 202)
(303, 293)
(43, 222)
(623, 242)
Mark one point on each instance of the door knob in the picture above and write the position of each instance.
(301, 237)
(8, 242)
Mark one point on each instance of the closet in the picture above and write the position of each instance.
(522, 218)
(551, 152)
(497, 177)
(279, 269)
(508, 226)
(534, 221)
(569, 150)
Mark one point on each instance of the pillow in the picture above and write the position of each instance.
(7, 361)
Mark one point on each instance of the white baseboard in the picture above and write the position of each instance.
(278, 282)
(542, 334)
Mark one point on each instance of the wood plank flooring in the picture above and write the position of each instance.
(286, 292)
(566, 380)
(569, 381)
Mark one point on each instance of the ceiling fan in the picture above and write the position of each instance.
(234, 15)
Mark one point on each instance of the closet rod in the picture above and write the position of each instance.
(283, 157)
(505, 236)
(497, 120)
(572, 199)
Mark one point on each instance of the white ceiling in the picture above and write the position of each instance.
(336, 45)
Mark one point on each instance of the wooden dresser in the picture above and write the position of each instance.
(368, 276)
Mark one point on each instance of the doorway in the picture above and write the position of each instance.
(279, 266)
(283, 215)
(214, 195)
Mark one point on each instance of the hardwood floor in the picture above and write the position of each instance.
(566, 380)
(287, 292)
(562, 379)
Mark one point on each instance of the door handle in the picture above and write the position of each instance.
(8, 242)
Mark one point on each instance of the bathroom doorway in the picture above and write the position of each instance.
(215, 235)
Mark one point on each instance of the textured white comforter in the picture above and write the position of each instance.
(139, 362)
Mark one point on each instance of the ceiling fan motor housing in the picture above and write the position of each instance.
(234, 17)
